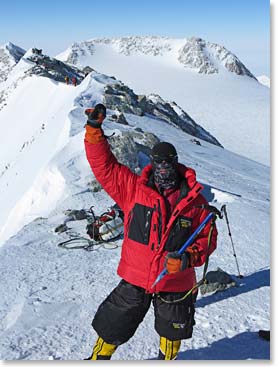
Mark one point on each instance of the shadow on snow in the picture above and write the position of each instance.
(246, 345)
(248, 283)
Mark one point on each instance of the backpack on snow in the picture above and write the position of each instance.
(108, 226)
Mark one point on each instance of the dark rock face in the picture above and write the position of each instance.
(129, 146)
(119, 97)
(120, 118)
(193, 55)
(15, 51)
(54, 69)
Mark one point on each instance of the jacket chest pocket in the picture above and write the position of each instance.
(179, 233)
(140, 223)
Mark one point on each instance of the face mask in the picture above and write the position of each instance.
(165, 174)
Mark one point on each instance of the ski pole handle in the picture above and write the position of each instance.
(186, 245)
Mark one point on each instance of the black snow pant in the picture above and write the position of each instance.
(120, 314)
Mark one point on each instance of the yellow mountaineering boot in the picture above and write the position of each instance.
(102, 350)
(168, 348)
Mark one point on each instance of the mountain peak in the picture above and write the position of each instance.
(10, 54)
(192, 53)
(14, 51)
(209, 58)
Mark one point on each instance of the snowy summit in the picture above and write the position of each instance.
(192, 53)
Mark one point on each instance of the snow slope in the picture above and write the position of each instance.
(35, 124)
(42, 127)
(205, 79)
(265, 80)
(49, 295)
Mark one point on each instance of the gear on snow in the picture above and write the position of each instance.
(101, 229)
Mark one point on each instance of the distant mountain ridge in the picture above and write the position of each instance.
(192, 53)
(10, 54)
(206, 80)
(209, 83)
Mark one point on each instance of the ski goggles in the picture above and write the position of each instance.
(168, 159)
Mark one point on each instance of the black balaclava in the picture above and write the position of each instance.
(164, 161)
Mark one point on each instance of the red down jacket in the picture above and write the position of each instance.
(148, 234)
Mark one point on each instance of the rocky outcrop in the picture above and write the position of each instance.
(119, 118)
(132, 148)
(147, 45)
(208, 58)
(193, 55)
(79, 49)
(119, 97)
(229, 60)
(54, 69)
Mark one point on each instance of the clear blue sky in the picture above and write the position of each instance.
(240, 25)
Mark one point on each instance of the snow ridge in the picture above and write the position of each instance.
(9, 57)
(193, 53)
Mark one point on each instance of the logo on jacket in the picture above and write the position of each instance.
(177, 325)
(185, 223)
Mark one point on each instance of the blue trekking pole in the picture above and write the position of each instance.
(186, 245)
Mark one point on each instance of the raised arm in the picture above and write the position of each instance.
(116, 179)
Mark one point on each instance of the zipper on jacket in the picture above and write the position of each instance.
(159, 225)
(147, 223)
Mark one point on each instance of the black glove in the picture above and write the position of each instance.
(96, 115)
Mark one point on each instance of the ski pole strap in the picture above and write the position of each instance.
(203, 280)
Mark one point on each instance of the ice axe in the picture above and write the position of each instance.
(190, 240)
